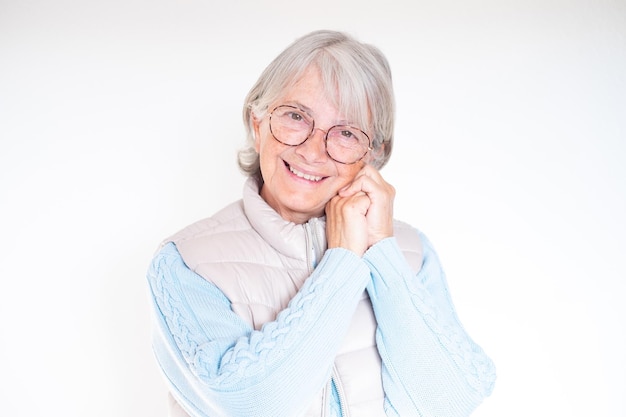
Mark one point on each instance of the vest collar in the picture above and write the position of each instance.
(286, 237)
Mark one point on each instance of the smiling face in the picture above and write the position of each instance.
(298, 181)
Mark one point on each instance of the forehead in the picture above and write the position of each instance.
(321, 98)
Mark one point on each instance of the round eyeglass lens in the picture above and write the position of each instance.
(290, 125)
(346, 144)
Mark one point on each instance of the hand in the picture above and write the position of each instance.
(362, 212)
(346, 222)
(381, 195)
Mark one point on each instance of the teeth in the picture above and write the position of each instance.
(305, 176)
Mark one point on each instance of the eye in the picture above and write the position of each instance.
(292, 116)
(344, 135)
(295, 116)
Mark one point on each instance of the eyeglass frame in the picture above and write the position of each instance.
(369, 144)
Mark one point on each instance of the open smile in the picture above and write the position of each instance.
(303, 175)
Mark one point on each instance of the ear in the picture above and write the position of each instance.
(256, 132)
(376, 154)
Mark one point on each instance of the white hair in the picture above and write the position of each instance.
(356, 77)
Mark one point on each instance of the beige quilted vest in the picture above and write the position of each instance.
(260, 261)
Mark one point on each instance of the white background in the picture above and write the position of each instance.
(119, 124)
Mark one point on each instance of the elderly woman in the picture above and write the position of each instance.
(306, 297)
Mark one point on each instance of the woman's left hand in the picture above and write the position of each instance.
(379, 215)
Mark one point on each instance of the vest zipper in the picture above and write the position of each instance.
(340, 393)
(314, 251)
(310, 260)
(314, 243)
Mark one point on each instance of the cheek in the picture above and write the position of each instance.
(351, 171)
(267, 146)
(270, 152)
(347, 173)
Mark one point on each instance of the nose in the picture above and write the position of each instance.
(314, 148)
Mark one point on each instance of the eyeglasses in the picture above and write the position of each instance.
(344, 144)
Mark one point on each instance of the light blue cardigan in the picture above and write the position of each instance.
(217, 365)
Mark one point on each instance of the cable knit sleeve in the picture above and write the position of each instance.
(431, 367)
(218, 366)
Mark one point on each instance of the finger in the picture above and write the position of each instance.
(371, 173)
(359, 203)
(363, 182)
(354, 203)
